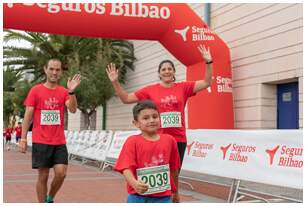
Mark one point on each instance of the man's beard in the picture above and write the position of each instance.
(52, 81)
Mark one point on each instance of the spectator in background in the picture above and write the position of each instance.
(8, 137)
(18, 132)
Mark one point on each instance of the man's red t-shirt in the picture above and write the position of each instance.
(138, 152)
(48, 120)
(171, 106)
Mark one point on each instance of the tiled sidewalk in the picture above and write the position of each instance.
(83, 184)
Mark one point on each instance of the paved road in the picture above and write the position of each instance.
(86, 184)
(83, 184)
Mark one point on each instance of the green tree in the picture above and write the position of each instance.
(96, 89)
(88, 56)
(22, 89)
(29, 60)
(10, 78)
(8, 108)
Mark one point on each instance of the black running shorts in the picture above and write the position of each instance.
(46, 156)
(181, 146)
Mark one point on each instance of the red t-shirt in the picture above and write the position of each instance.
(138, 152)
(167, 100)
(8, 132)
(18, 131)
(48, 120)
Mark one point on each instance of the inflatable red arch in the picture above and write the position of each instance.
(175, 26)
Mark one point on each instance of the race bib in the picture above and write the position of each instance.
(50, 117)
(170, 119)
(157, 178)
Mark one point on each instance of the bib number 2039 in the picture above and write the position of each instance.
(50, 117)
(157, 178)
(170, 119)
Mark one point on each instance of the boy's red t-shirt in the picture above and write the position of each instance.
(48, 118)
(167, 100)
(138, 152)
(18, 131)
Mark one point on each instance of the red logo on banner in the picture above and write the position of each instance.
(198, 149)
(224, 150)
(189, 147)
(289, 156)
(238, 153)
(271, 153)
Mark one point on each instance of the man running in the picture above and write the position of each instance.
(45, 103)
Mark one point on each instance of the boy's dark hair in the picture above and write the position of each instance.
(146, 104)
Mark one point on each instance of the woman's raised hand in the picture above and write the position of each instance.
(205, 53)
(112, 72)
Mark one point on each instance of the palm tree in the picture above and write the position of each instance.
(90, 95)
(29, 60)
(10, 79)
(89, 56)
(73, 51)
